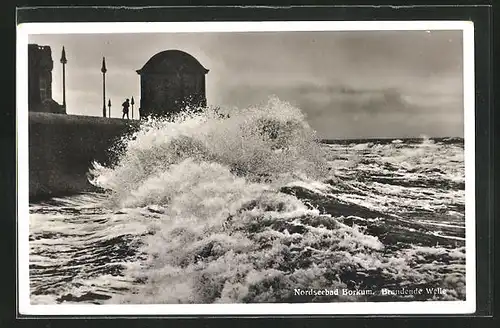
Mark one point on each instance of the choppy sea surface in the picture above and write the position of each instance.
(251, 208)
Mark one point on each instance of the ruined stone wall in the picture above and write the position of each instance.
(40, 65)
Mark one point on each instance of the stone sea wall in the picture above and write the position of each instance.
(62, 148)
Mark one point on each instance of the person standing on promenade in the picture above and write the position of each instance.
(126, 105)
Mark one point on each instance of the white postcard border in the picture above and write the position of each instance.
(367, 308)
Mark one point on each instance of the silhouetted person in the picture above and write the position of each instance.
(126, 105)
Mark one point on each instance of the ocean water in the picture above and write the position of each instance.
(249, 208)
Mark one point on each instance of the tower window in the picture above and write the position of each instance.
(43, 89)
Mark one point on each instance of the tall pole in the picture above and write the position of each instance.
(132, 102)
(63, 62)
(103, 70)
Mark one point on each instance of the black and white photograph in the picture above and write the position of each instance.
(265, 167)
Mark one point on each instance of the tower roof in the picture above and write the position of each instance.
(169, 61)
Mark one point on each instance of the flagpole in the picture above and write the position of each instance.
(103, 70)
(63, 62)
(132, 102)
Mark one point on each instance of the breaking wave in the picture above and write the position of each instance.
(245, 206)
(271, 143)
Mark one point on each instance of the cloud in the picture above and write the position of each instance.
(340, 111)
(365, 82)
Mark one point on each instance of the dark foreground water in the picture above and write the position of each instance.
(388, 215)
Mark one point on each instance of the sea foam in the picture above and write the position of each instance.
(271, 143)
(221, 228)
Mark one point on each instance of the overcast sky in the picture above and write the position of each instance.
(349, 84)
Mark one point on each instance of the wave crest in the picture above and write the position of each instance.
(271, 143)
